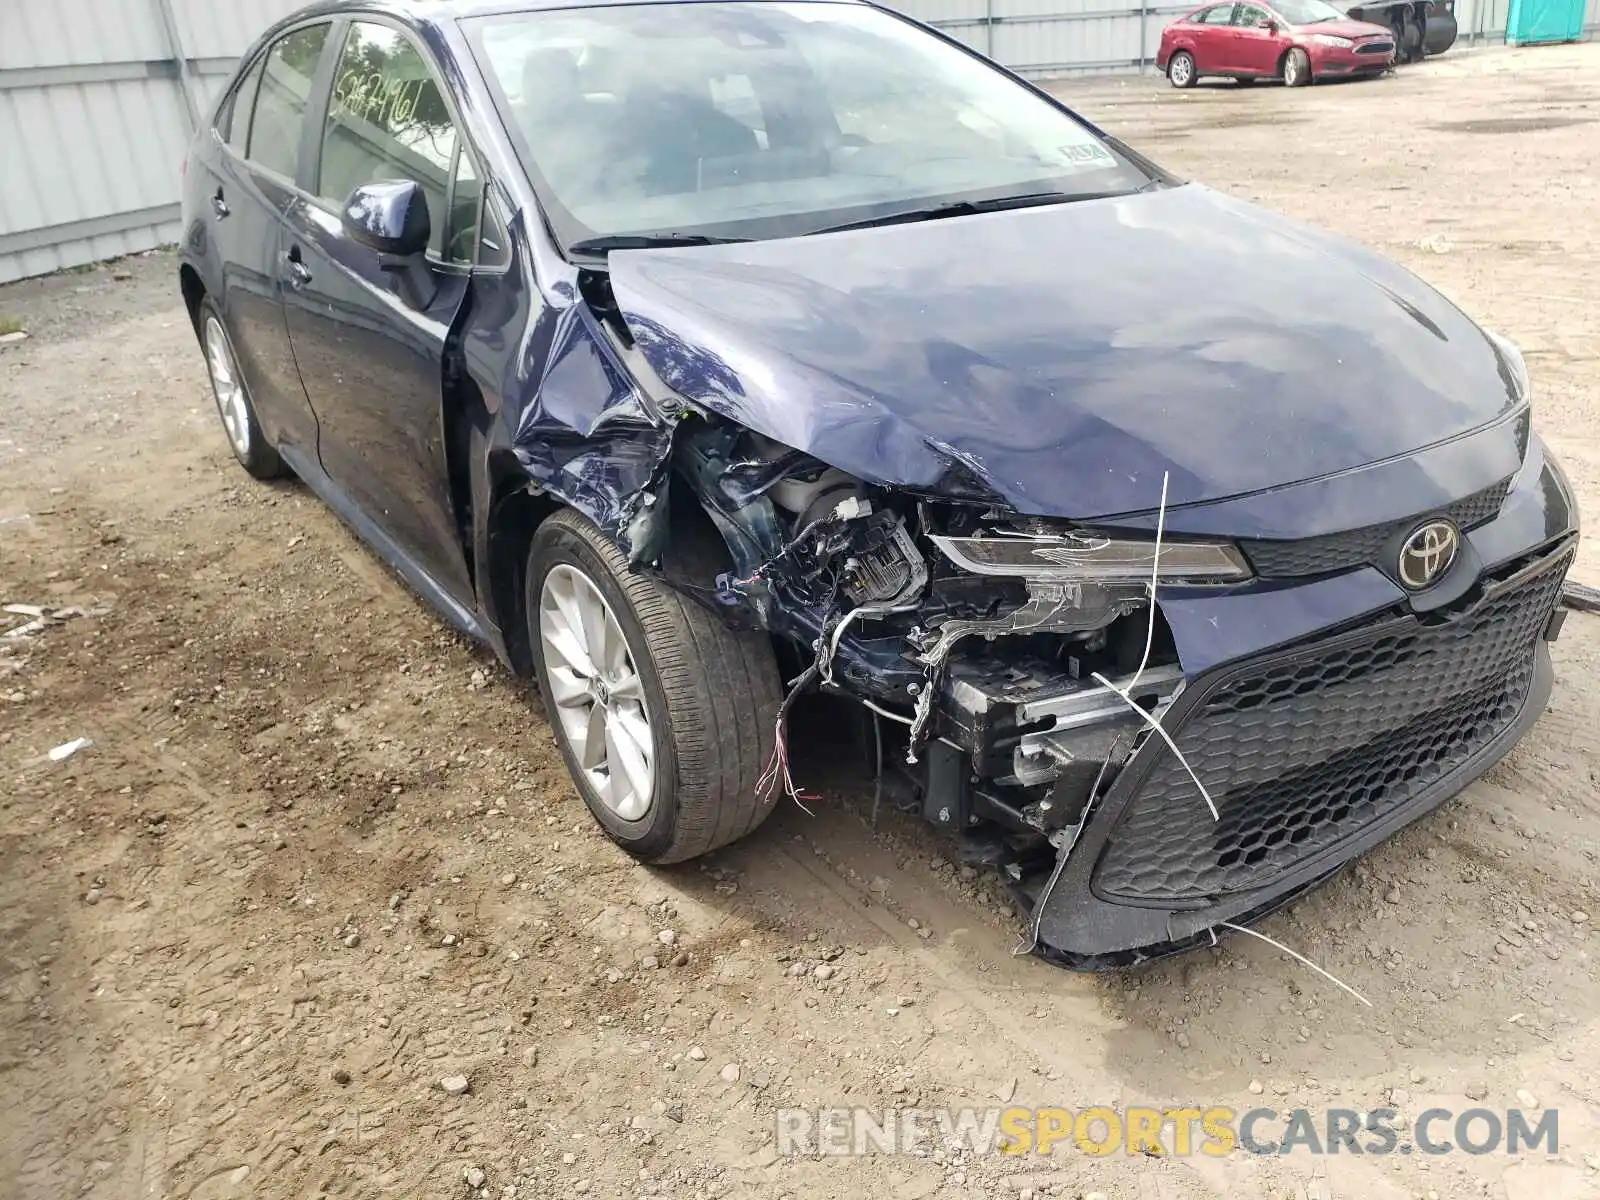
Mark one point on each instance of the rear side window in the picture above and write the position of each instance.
(388, 120)
(282, 98)
(1220, 15)
(235, 123)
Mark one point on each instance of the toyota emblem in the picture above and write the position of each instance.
(1427, 554)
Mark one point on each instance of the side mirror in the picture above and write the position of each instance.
(390, 216)
(1272, 29)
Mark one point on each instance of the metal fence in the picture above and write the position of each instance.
(98, 97)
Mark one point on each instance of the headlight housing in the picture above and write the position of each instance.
(1084, 557)
(1328, 39)
(1513, 365)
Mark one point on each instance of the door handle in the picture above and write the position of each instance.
(299, 273)
(219, 205)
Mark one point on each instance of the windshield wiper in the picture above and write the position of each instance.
(646, 241)
(965, 208)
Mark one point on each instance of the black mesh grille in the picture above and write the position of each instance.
(1304, 752)
(1375, 48)
(1360, 547)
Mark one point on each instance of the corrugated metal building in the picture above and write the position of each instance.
(98, 97)
(97, 101)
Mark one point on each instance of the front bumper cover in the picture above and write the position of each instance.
(1093, 918)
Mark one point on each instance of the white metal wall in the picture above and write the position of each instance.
(97, 103)
(98, 97)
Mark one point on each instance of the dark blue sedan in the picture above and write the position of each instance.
(700, 357)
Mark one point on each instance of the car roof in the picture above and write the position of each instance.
(438, 11)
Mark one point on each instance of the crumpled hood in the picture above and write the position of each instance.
(1062, 358)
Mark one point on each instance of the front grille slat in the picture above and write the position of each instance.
(1303, 752)
(1360, 547)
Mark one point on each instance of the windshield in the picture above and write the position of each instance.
(1307, 12)
(768, 119)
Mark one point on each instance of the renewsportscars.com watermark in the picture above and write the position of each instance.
(1215, 1131)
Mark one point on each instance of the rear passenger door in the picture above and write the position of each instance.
(251, 181)
(369, 347)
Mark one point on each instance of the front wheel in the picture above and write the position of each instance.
(1296, 68)
(1180, 70)
(665, 716)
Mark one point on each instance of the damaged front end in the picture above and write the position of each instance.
(1152, 724)
(1009, 666)
(1027, 693)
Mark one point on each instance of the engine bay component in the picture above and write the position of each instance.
(885, 565)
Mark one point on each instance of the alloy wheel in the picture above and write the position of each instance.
(1182, 68)
(597, 696)
(228, 388)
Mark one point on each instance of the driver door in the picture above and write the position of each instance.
(370, 348)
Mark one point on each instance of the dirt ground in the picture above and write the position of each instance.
(322, 853)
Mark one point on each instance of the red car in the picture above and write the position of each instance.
(1297, 41)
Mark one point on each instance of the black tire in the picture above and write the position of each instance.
(245, 439)
(1181, 72)
(711, 699)
(1296, 68)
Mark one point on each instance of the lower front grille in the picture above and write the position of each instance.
(1375, 48)
(1302, 751)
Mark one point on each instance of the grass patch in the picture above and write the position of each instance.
(9, 325)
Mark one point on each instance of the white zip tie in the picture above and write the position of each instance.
(1297, 956)
(1149, 638)
(884, 712)
(1155, 576)
(1165, 737)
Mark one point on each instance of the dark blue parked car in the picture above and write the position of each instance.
(697, 356)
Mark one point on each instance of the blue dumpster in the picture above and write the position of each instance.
(1533, 21)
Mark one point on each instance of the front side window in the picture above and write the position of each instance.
(1250, 17)
(387, 120)
(769, 119)
(281, 100)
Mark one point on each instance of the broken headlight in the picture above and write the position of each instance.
(1080, 557)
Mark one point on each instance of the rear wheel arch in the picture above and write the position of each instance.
(1176, 75)
(194, 291)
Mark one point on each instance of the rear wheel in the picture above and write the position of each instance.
(232, 396)
(665, 717)
(1296, 68)
(1180, 70)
